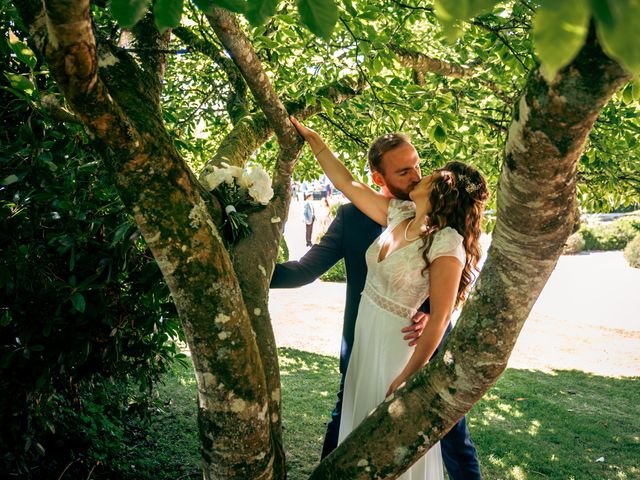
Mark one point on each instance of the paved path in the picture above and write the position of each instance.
(586, 318)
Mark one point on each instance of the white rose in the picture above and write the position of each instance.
(215, 178)
(260, 185)
(244, 181)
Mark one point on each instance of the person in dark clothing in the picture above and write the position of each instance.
(348, 238)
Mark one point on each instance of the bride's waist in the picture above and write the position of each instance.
(387, 304)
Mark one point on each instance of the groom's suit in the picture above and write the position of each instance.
(349, 236)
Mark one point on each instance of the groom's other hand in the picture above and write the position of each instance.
(413, 331)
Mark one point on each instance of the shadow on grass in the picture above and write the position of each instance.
(530, 425)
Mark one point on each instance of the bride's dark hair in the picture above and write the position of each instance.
(457, 199)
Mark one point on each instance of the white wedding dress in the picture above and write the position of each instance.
(394, 290)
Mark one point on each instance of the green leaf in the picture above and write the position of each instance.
(452, 10)
(22, 51)
(9, 179)
(236, 6)
(259, 11)
(167, 13)
(635, 89)
(128, 12)
(620, 36)
(627, 93)
(77, 299)
(5, 318)
(452, 13)
(559, 30)
(319, 15)
(20, 82)
(438, 134)
(348, 5)
(602, 12)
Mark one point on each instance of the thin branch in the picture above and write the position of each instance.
(421, 64)
(411, 7)
(357, 140)
(424, 63)
(237, 106)
(500, 36)
(360, 69)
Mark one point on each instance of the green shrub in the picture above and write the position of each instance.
(337, 273)
(283, 251)
(611, 235)
(575, 244)
(86, 322)
(632, 252)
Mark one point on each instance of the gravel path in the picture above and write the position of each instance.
(587, 317)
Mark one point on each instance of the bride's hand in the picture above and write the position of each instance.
(397, 383)
(306, 133)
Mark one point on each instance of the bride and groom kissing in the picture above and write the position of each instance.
(409, 249)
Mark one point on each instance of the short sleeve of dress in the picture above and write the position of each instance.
(447, 243)
(399, 210)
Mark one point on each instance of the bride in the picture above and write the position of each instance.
(430, 248)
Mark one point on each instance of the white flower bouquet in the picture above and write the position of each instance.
(240, 191)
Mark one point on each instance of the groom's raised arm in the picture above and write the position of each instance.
(315, 262)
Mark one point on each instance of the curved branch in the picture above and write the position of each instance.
(421, 64)
(424, 64)
(254, 130)
(244, 56)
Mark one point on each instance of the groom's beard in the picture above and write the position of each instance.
(399, 194)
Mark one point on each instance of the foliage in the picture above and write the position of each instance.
(447, 118)
(283, 251)
(320, 16)
(337, 273)
(560, 27)
(632, 252)
(86, 322)
(575, 244)
(610, 235)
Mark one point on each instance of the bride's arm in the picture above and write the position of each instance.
(368, 201)
(444, 278)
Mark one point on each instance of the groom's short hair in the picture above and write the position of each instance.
(382, 145)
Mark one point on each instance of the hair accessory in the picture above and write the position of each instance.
(468, 185)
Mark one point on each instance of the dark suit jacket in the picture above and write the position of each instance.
(348, 237)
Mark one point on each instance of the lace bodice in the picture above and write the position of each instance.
(397, 283)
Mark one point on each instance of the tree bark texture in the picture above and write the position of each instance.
(536, 196)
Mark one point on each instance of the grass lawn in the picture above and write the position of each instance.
(531, 425)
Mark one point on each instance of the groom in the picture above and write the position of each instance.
(395, 168)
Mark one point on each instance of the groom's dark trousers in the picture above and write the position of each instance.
(348, 237)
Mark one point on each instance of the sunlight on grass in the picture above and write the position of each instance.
(530, 425)
(517, 474)
(533, 428)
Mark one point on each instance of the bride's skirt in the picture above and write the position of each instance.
(379, 354)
